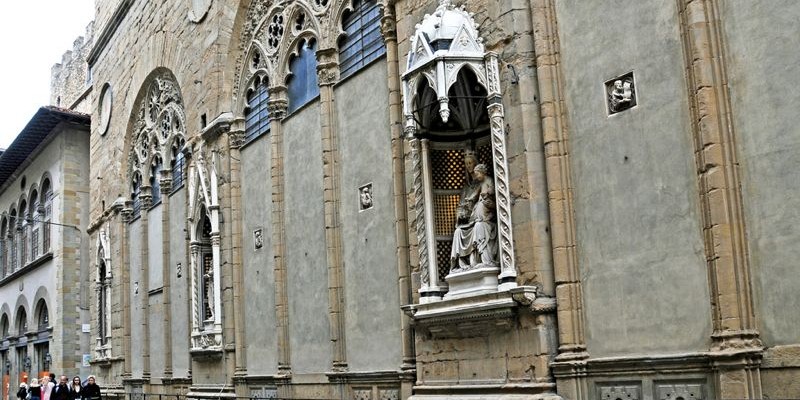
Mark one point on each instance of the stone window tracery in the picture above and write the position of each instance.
(275, 31)
(160, 123)
(362, 42)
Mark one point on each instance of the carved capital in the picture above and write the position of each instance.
(165, 181)
(388, 22)
(236, 138)
(328, 66)
(278, 103)
(146, 197)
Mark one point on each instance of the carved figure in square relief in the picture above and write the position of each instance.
(621, 95)
(475, 236)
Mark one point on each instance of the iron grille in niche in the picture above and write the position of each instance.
(447, 169)
(444, 206)
(443, 249)
(484, 154)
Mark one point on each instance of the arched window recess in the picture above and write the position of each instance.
(455, 125)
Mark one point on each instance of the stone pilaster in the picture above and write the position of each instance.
(736, 347)
(389, 31)
(328, 73)
(278, 105)
(165, 182)
(235, 141)
(146, 200)
(125, 285)
(559, 183)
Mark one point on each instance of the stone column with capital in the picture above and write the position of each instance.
(278, 104)
(165, 183)
(328, 74)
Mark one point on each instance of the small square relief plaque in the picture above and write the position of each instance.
(258, 239)
(620, 93)
(365, 197)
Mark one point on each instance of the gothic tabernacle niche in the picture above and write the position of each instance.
(454, 123)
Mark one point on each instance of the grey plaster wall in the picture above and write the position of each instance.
(764, 72)
(307, 272)
(636, 204)
(179, 285)
(259, 279)
(372, 316)
(156, 333)
(137, 330)
(155, 247)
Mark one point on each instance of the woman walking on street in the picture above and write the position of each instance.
(75, 388)
(91, 391)
(35, 391)
(22, 393)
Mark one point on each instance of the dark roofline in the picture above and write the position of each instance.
(29, 142)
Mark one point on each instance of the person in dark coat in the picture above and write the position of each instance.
(91, 391)
(76, 389)
(34, 390)
(61, 390)
(22, 393)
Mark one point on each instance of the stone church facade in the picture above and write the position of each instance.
(487, 199)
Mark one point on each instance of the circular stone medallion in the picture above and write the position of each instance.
(106, 98)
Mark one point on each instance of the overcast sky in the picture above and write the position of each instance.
(33, 36)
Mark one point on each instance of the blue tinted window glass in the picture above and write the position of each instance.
(363, 42)
(302, 86)
(257, 114)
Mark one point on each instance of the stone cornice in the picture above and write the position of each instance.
(108, 31)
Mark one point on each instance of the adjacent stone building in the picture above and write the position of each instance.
(485, 199)
(44, 190)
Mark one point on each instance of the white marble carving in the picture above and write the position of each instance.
(620, 93)
(365, 200)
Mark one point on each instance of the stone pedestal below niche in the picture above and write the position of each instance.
(475, 281)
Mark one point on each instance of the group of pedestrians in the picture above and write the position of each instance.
(49, 389)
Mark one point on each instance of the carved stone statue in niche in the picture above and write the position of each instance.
(475, 236)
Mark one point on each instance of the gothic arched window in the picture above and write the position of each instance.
(257, 113)
(178, 164)
(155, 179)
(302, 85)
(136, 190)
(362, 42)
